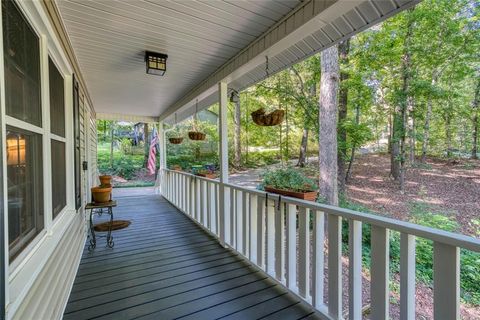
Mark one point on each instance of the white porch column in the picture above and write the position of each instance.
(163, 158)
(224, 205)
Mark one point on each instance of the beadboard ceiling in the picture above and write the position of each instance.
(110, 37)
(201, 38)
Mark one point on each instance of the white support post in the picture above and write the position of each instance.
(163, 160)
(223, 150)
(380, 273)
(446, 281)
(355, 269)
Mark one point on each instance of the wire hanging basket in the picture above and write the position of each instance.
(178, 139)
(195, 134)
(261, 117)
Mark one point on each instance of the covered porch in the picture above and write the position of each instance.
(203, 248)
(165, 266)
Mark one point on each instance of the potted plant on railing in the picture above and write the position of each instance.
(289, 182)
(208, 171)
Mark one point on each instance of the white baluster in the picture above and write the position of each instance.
(245, 223)
(261, 232)
(253, 228)
(407, 277)
(239, 220)
(270, 230)
(318, 259)
(304, 252)
(379, 270)
(213, 207)
(334, 266)
(446, 281)
(208, 206)
(280, 241)
(292, 247)
(355, 269)
(233, 221)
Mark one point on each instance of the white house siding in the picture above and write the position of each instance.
(40, 279)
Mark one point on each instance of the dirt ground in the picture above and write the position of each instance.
(451, 188)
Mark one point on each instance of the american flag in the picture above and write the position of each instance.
(151, 165)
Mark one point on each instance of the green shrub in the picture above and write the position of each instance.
(288, 178)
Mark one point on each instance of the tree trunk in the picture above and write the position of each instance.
(400, 116)
(343, 49)
(348, 175)
(147, 144)
(428, 116)
(237, 161)
(448, 133)
(411, 130)
(302, 157)
(328, 126)
(475, 106)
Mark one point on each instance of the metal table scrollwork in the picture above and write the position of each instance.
(99, 209)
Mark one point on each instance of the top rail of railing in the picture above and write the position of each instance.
(437, 235)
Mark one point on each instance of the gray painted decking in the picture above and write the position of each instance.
(164, 266)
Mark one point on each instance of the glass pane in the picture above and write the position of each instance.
(22, 66)
(59, 195)
(25, 188)
(57, 100)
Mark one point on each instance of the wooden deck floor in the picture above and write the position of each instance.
(164, 266)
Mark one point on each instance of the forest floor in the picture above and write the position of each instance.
(450, 188)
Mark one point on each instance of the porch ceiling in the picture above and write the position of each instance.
(207, 41)
(110, 37)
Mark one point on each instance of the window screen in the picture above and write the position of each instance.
(57, 100)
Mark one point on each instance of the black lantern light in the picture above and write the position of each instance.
(156, 63)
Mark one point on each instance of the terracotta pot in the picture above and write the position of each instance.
(195, 135)
(105, 180)
(309, 195)
(207, 175)
(261, 118)
(101, 194)
(175, 140)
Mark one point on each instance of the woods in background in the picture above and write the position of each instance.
(409, 87)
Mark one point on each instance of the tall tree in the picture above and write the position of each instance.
(328, 125)
(343, 50)
(404, 101)
(476, 111)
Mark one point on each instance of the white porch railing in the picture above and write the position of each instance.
(274, 233)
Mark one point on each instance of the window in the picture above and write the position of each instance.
(57, 127)
(23, 149)
(25, 188)
(59, 195)
(57, 100)
(22, 66)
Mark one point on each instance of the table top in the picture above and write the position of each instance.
(95, 205)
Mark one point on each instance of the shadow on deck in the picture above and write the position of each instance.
(164, 266)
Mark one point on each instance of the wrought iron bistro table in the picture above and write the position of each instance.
(98, 208)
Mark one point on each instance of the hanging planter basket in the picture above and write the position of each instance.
(175, 140)
(261, 118)
(196, 135)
